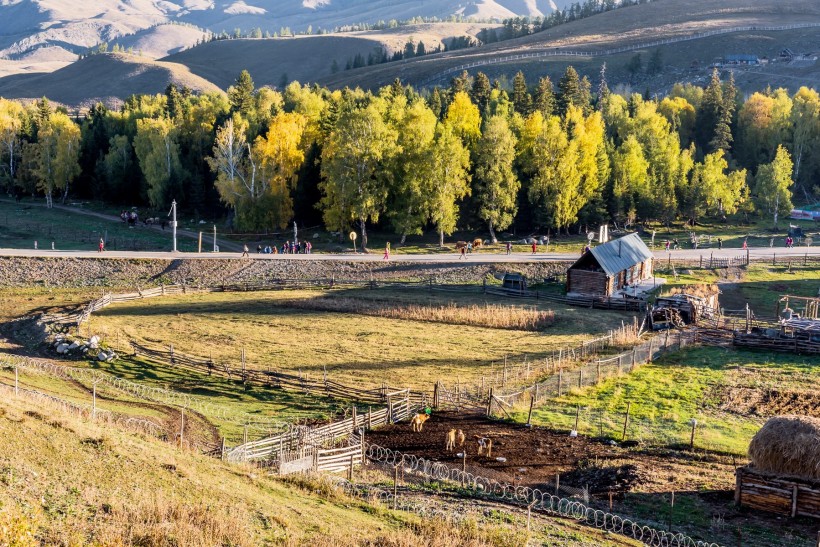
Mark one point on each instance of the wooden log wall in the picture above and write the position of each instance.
(586, 282)
(790, 497)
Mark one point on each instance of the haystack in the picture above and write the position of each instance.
(788, 445)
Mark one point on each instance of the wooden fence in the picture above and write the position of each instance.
(294, 444)
(591, 374)
(276, 379)
(788, 497)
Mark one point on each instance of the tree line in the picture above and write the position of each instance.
(471, 156)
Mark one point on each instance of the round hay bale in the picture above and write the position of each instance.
(788, 445)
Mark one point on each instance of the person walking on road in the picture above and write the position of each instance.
(509, 248)
(720, 243)
(463, 253)
(386, 251)
(534, 247)
(245, 251)
(745, 243)
(102, 245)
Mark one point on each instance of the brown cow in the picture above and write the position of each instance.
(477, 242)
(461, 245)
(450, 442)
(461, 438)
(418, 422)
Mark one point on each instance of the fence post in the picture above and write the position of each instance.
(490, 403)
(560, 377)
(395, 487)
(435, 393)
(369, 417)
(649, 359)
(598, 372)
(577, 415)
(580, 378)
(557, 482)
(626, 421)
(692, 438)
(354, 418)
(350, 470)
(529, 415)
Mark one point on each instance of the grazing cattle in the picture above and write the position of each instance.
(477, 242)
(485, 444)
(461, 438)
(418, 422)
(450, 443)
(461, 245)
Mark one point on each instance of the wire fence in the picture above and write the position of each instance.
(175, 399)
(599, 370)
(533, 498)
(86, 412)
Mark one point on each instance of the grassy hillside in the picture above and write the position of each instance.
(307, 58)
(624, 27)
(109, 78)
(71, 482)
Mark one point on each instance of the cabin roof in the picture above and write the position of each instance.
(621, 254)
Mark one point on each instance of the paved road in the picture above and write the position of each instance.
(444, 258)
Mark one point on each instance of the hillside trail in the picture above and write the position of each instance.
(227, 245)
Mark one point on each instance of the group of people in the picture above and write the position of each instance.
(789, 242)
(287, 248)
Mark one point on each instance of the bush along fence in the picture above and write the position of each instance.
(497, 401)
(532, 498)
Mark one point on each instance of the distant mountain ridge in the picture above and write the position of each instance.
(26, 25)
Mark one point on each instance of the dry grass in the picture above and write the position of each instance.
(122, 489)
(788, 445)
(350, 346)
(488, 315)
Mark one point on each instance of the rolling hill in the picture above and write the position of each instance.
(78, 26)
(107, 77)
(628, 27)
(307, 58)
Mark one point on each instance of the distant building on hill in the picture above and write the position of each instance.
(742, 59)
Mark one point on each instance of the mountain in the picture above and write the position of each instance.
(109, 78)
(76, 26)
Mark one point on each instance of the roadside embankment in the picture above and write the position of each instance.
(92, 272)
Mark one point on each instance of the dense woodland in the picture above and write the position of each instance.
(472, 156)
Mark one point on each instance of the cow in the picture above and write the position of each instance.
(461, 245)
(450, 443)
(461, 438)
(477, 243)
(418, 422)
(485, 443)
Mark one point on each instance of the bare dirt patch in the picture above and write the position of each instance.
(768, 402)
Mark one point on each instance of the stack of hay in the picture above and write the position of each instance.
(788, 445)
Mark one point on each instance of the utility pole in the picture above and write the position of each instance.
(173, 214)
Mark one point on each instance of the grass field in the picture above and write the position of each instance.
(353, 348)
(21, 224)
(692, 384)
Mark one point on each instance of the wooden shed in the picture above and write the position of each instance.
(610, 267)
